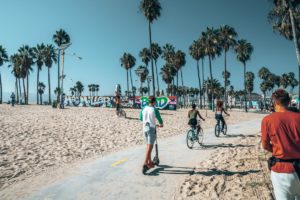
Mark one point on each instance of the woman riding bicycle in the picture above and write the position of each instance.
(193, 117)
(219, 113)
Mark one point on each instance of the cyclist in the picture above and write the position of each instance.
(219, 113)
(117, 102)
(193, 117)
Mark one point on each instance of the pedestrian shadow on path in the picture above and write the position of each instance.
(132, 118)
(214, 171)
(166, 169)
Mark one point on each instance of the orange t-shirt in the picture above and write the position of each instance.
(281, 131)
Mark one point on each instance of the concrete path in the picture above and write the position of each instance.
(119, 175)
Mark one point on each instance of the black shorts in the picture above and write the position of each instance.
(117, 107)
(193, 122)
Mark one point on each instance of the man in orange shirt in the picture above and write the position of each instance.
(280, 134)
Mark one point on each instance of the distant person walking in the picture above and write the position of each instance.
(13, 99)
(280, 134)
(62, 101)
(148, 116)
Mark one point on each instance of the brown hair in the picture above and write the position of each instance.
(152, 99)
(280, 96)
(219, 103)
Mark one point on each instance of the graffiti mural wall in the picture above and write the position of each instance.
(167, 103)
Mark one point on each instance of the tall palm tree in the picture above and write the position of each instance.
(244, 50)
(39, 57)
(151, 9)
(293, 84)
(197, 52)
(17, 71)
(283, 16)
(60, 38)
(3, 59)
(231, 93)
(264, 87)
(284, 80)
(41, 89)
(127, 61)
(210, 42)
(156, 52)
(50, 58)
(145, 56)
(227, 37)
(179, 62)
(263, 73)
(142, 72)
(26, 56)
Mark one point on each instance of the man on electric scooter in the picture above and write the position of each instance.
(148, 116)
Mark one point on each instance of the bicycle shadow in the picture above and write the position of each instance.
(239, 135)
(214, 171)
(132, 118)
(167, 169)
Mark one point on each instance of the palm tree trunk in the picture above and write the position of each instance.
(199, 80)
(157, 80)
(245, 96)
(141, 87)
(37, 86)
(203, 81)
(182, 87)
(24, 90)
(27, 85)
(211, 85)
(58, 76)
(127, 82)
(41, 99)
(177, 84)
(20, 90)
(295, 39)
(225, 80)
(0, 90)
(17, 90)
(131, 80)
(153, 78)
(49, 85)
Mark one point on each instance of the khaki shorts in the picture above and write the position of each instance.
(150, 136)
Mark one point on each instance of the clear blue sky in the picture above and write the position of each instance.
(102, 30)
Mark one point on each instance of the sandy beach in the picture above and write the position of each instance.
(38, 138)
(237, 171)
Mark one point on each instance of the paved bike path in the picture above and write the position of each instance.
(119, 176)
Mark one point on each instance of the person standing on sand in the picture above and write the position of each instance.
(280, 134)
(13, 99)
(117, 103)
(148, 116)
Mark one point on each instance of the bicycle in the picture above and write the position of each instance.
(193, 136)
(218, 128)
(121, 113)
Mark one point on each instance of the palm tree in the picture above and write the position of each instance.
(3, 59)
(156, 52)
(293, 84)
(168, 72)
(79, 88)
(50, 58)
(227, 37)
(213, 88)
(263, 73)
(283, 16)
(226, 75)
(61, 38)
(41, 89)
(250, 83)
(264, 87)
(210, 42)
(17, 71)
(142, 72)
(39, 57)
(231, 93)
(244, 50)
(284, 80)
(26, 56)
(73, 91)
(179, 62)
(197, 52)
(127, 61)
(151, 9)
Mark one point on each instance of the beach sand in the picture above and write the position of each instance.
(35, 139)
(235, 172)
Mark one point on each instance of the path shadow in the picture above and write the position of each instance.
(132, 118)
(166, 114)
(216, 146)
(166, 169)
(212, 172)
(239, 135)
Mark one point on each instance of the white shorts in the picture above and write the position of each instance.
(286, 186)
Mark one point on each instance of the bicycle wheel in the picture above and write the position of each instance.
(225, 129)
(190, 139)
(200, 136)
(217, 130)
(123, 113)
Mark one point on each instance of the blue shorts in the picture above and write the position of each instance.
(150, 136)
